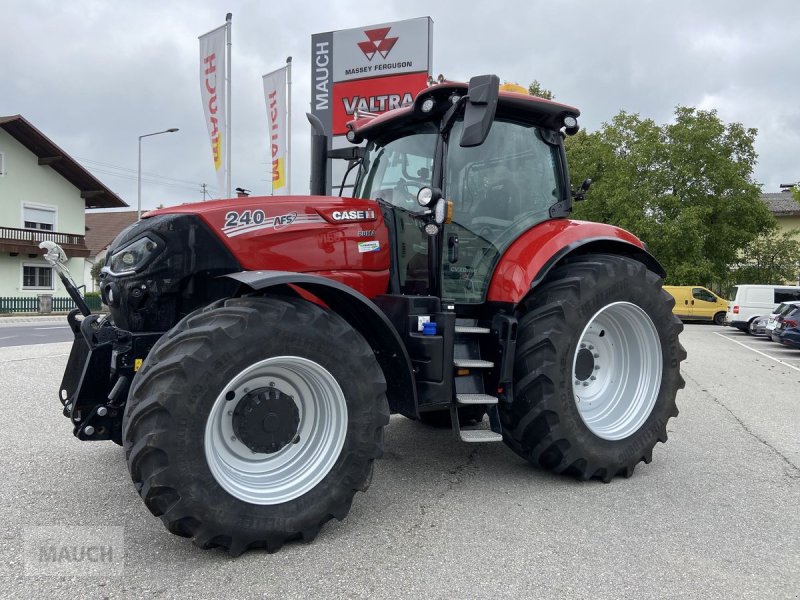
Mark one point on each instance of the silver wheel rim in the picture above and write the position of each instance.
(617, 371)
(260, 478)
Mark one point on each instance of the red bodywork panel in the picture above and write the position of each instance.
(523, 260)
(343, 239)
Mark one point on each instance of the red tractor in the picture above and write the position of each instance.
(256, 347)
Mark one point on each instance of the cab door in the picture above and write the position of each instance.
(703, 304)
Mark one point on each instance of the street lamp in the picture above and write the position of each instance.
(139, 176)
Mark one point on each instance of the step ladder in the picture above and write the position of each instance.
(469, 386)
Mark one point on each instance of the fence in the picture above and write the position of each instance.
(31, 304)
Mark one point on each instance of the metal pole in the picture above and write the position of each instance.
(139, 172)
(228, 74)
(139, 183)
(289, 125)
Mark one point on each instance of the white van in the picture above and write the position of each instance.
(749, 302)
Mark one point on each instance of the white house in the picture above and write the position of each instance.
(43, 196)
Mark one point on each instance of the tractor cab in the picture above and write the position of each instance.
(461, 174)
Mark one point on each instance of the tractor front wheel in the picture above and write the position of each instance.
(596, 370)
(255, 421)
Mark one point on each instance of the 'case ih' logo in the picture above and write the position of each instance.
(378, 42)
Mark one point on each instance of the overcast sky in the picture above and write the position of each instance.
(95, 75)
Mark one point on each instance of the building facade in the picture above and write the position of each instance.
(43, 196)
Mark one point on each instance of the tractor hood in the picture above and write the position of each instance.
(296, 233)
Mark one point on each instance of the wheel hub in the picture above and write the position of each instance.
(584, 364)
(266, 420)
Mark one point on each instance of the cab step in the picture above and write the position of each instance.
(466, 363)
(479, 436)
(466, 399)
(472, 329)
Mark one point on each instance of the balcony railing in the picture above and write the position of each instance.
(26, 241)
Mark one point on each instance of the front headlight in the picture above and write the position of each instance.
(132, 257)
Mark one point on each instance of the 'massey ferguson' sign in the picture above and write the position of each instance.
(385, 49)
(373, 95)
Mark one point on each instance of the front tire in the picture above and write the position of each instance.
(596, 370)
(719, 319)
(255, 421)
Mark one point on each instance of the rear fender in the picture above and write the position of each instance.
(534, 254)
(363, 315)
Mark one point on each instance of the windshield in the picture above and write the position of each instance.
(394, 169)
(499, 189)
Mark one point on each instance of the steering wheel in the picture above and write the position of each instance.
(403, 193)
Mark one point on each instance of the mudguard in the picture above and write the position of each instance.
(364, 316)
(528, 260)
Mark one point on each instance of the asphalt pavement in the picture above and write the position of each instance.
(34, 330)
(715, 515)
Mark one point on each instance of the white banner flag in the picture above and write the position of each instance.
(275, 97)
(212, 92)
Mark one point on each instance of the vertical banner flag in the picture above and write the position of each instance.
(275, 97)
(212, 92)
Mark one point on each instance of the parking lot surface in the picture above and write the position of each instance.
(715, 515)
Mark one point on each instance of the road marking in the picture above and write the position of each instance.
(59, 327)
(8, 337)
(722, 335)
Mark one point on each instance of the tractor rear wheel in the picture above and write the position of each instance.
(254, 421)
(596, 370)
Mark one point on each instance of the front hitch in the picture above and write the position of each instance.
(101, 364)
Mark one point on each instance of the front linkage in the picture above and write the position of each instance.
(101, 364)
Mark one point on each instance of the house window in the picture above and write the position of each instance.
(38, 217)
(35, 277)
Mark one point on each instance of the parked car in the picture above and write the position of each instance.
(695, 303)
(783, 309)
(787, 330)
(758, 326)
(751, 301)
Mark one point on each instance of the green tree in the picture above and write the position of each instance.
(95, 271)
(536, 89)
(772, 257)
(685, 188)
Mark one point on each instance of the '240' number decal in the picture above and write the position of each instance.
(246, 217)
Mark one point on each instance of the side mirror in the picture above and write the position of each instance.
(581, 193)
(480, 109)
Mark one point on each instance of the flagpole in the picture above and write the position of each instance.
(228, 74)
(289, 125)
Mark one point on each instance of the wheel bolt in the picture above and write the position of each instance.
(230, 413)
(597, 367)
(271, 384)
(583, 345)
(593, 378)
(591, 347)
(585, 383)
(596, 355)
(577, 382)
(233, 438)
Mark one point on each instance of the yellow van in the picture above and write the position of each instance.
(694, 303)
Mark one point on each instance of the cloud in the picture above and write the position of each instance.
(95, 75)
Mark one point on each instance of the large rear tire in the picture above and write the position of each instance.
(255, 421)
(596, 370)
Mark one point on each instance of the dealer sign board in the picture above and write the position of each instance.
(368, 69)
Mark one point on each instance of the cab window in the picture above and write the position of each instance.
(394, 169)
